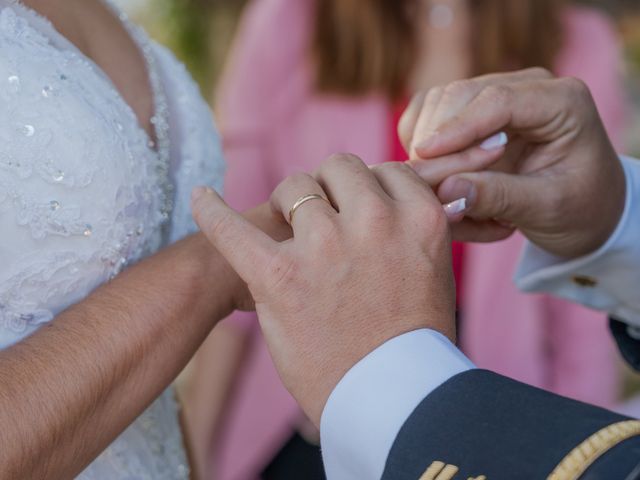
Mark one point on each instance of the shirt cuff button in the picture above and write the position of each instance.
(584, 281)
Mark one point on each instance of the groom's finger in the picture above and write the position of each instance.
(408, 120)
(460, 94)
(530, 109)
(349, 183)
(303, 203)
(248, 250)
(456, 96)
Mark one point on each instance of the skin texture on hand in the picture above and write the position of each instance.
(273, 224)
(371, 263)
(558, 179)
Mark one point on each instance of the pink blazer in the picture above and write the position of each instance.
(539, 339)
(274, 124)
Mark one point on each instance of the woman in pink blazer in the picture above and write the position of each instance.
(274, 123)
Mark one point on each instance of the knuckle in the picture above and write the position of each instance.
(342, 159)
(436, 218)
(392, 167)
(293, 181)
(325, 235)
(456, 89)
(433, 95)
(377, 214)
(216, 226)
(497, 94)
(539, 72)
(576, 88)
(500, 199)
(578, 106)
(429, 224)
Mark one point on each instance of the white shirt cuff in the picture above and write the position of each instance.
(607, 279)
(367, 409)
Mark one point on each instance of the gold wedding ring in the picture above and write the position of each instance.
(302, 200)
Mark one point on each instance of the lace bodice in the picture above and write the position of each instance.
(81, 197)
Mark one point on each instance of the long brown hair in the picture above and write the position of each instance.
(364, 46)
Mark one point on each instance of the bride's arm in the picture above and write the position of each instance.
(69, 389)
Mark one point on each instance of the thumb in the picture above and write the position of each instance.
(248, 249)
(495, 195)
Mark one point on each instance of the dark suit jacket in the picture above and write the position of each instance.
(481, 425)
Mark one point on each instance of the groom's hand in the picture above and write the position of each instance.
(367, 264)
(558, 180)
(273, 224)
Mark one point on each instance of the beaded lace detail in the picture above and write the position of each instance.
(83, 194)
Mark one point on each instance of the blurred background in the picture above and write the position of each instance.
(292, 81)
(200, 32)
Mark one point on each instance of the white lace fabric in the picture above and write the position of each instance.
(81, 198)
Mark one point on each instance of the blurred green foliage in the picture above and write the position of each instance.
(187, 24)
(633, 44)
(198, 31)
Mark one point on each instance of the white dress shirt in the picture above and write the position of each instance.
(369, 406)
(608, 279)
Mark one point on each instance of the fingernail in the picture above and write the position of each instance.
(199, 192)
(455, 208)
(495, 142)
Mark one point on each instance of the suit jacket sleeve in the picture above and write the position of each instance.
(628, 344)
(481, 425)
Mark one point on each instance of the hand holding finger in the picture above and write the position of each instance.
(248, 249)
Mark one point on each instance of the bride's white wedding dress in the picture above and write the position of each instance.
(84, 192)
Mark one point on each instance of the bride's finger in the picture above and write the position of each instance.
(248, 249)
(303, 203)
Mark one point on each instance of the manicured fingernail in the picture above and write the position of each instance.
(455, 208)
(497, 141)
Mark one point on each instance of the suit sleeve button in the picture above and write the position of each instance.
(584, 281)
